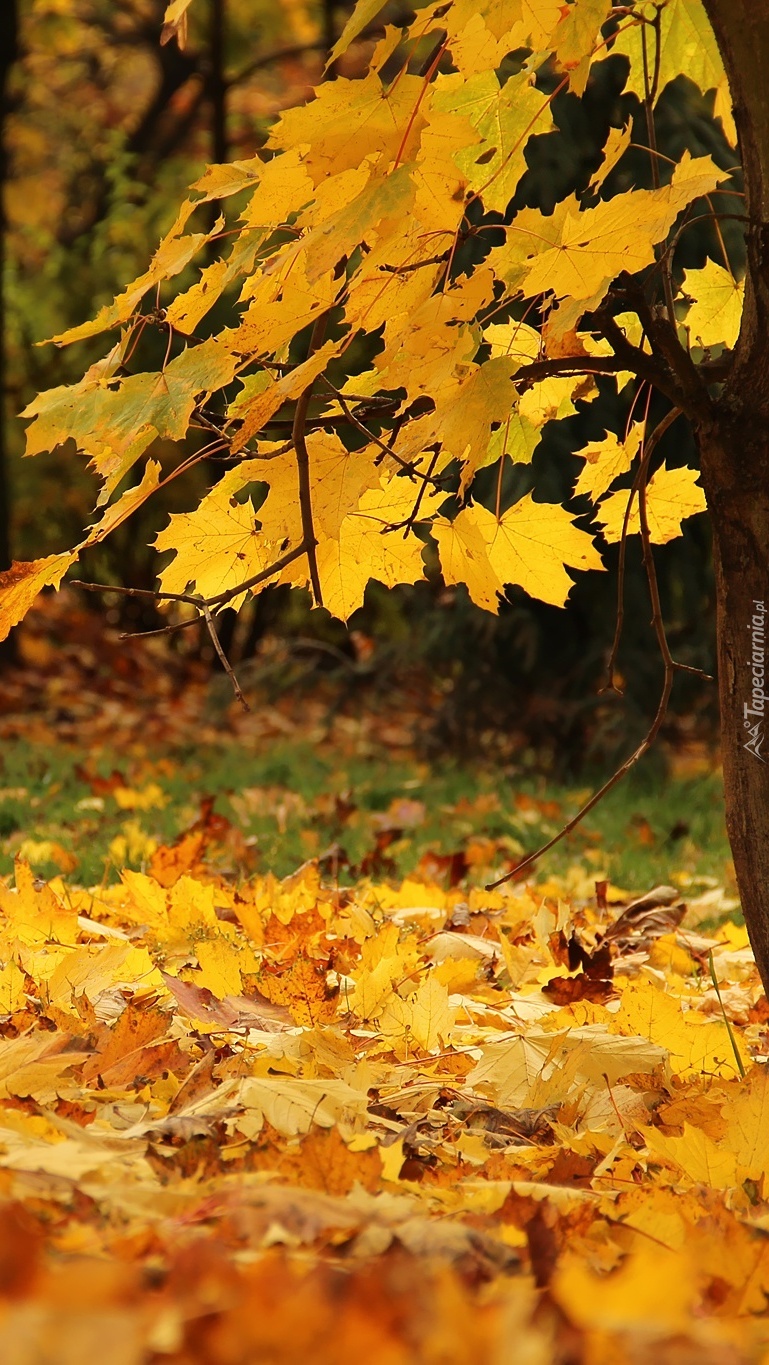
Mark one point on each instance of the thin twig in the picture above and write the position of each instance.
(220, 600)
(298, 437)
(650, 94)
(656, 725)
(406, 465)
(417, 265)
(649, 448)
(726, 1019)
(170, 629)
(420, 495)
(224, 661)
(624, 768)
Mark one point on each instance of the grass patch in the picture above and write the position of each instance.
(294, 801)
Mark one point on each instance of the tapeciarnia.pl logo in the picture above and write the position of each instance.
(755, 711)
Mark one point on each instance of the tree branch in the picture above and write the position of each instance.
(638, 481)
(219, 600)
(224, 661)
(303, 463)
(531, 374)
(677, 375)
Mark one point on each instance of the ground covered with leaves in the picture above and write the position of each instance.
(364, 1107)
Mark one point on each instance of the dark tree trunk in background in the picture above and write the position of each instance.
(8, 52)
(734, 446)
(217, 81)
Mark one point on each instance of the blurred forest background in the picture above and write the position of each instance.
(103, 130)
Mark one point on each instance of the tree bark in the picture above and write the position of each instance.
(734, 447)
(734, 469)
(9, 29)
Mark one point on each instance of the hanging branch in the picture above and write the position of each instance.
(224, 661)
(303, 464)
(649, 447)
(670, 666)
(651, 85)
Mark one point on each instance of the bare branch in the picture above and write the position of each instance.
(226, 665)
(640, 478)
(406, 465)
(641, 364)
(669, 665)
(303, 463)
(269, 58)
(219, 600)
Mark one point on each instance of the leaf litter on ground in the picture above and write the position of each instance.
(365, 1106)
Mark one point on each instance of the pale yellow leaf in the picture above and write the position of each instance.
(687, 47)
(671, 495)
(430, 1017)
(218, 545)
(715, 313)
(503, 118)
(606, 460)
(12, 988)
(699, 1157)
(367, 548)
(617, 144)
(363, 13)
(529, 546)
(619, 234)
(576, 38)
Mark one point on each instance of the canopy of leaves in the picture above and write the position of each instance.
(398, 328)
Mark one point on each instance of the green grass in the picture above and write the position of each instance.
(294, 802)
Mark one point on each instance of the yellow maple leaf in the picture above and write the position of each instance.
(701, 1159)
(292, 1106)
(605, 460)
(347, 115)
(20, 585)
(218, 545)
(694, 1042)
(747, 1128)
(92, 969)
(338, 478)
(671, 495)
(715, 313)
(653, 1291)
(367, 548)
(619, 234)
(481, 32)
(12, 988)
(32, 915)
(34, 1065)
(429, 1017)
(124, 507)
(503, 117)
(688, 47)
(576, 37)
(529, 546)
(617, 144)
(220, 963)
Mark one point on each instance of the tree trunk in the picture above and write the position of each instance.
(735, 469)
(734, 447)
(8, 55)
